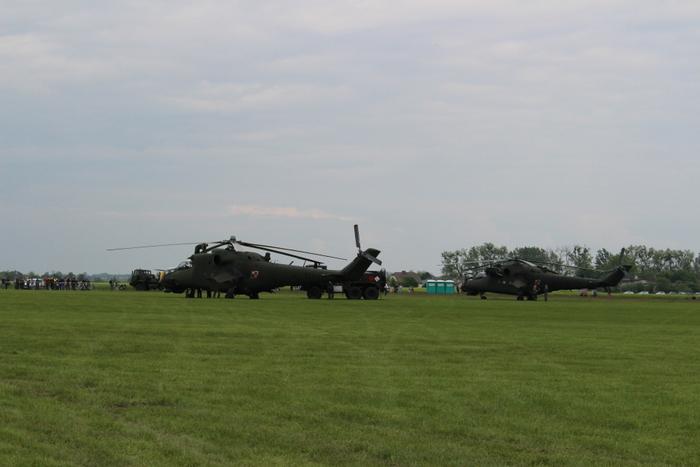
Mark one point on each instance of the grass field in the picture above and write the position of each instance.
(128, 378)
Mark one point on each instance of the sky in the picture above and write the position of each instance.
(435, 125)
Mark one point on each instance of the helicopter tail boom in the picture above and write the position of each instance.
(359, 265)
(614, 278)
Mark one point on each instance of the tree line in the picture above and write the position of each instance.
(652, 269)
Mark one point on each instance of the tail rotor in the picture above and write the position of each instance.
(362, 253)
(621, 262)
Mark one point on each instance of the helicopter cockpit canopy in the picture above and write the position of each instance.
(184, 265)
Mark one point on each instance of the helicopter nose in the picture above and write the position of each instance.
(169, 281)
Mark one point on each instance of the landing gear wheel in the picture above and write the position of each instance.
(354, 293)
(520, 298)
(532, 297)
(314, 292)
(230, 294)
(254, 295)
(371, 293)
(482, 296)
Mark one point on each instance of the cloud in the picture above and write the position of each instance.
(285, 212)
(44, 63)
(230, 97)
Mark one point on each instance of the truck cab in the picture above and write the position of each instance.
(144, 279)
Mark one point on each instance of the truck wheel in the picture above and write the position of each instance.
(354, 293)
(314, 292)
(371, 293)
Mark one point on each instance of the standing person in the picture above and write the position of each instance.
(330, 289)
(546, 292)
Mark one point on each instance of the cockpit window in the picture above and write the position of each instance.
(184, 265)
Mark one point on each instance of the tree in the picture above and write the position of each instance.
(562, 254)
(487, 252)
(393, 282)
(602, 259)
(409, 281)
(537, 254)
(641, 257)
(580, 257)
(454, 263)
(663, 284)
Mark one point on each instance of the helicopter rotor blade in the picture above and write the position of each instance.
(558, 265)
(357, 237)
(279, 252)
(159, 245)
(267, 247)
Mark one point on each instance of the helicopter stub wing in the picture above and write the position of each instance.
(225, 276)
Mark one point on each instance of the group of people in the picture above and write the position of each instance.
(540, 288)
(45, 283)
(197, 293)
(116, 285)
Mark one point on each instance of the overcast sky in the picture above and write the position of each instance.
(435, 125)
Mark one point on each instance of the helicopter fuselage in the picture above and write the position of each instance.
(530, 281)
(249, 273)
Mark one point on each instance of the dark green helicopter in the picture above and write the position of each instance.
(219, 267)
(528, 279)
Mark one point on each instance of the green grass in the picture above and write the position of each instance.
(128, 378)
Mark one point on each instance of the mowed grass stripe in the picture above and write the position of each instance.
(153, 379)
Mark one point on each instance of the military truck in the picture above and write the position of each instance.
(144, 279)
(369, 287)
